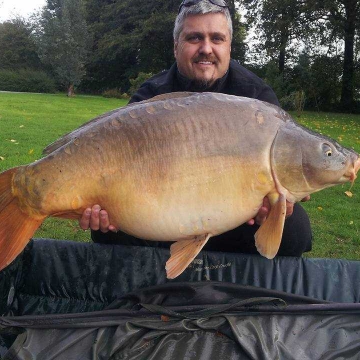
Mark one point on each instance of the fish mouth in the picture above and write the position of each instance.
(351, 174)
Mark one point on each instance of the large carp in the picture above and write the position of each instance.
(180, 167)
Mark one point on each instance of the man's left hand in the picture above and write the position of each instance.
(265, 209)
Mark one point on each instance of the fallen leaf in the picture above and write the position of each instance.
(351, 222)
(2, 158)
(21, 126)
(12, 140)
(320, 208)
(349, 193)
(31, 151)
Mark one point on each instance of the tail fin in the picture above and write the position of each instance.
(16, 227)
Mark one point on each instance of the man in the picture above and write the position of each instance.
(202, 46)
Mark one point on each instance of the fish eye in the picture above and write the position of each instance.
(327, 150)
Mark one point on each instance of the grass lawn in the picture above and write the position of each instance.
(29, 122)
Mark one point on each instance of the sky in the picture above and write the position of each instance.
(9, 8)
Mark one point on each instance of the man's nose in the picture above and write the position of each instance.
(205, 47)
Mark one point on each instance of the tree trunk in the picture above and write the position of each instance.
(284, 38)
(347, 91)
(71, 90)
(282, 60)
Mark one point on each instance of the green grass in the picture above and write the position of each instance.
(29, 122)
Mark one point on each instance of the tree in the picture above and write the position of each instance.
(63, 40)
(342, 18)
(238, 46)
(129, 38)
(318, 76)
(18, 48)
(278, 23)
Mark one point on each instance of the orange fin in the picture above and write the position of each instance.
(183, 252)
(268, 237)
(16, 228)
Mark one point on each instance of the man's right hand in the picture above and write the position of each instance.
(96, 218)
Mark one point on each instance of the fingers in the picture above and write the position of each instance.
(84, 221)
(262, 213)
(265, 208)
(96, 218)
(289, 209)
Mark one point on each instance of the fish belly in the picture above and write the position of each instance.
(202, 197)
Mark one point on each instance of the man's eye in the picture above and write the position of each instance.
(193, 38)
(218, 39)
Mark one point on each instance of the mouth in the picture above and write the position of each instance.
(357, 165)
(351, 174)
(205, 62)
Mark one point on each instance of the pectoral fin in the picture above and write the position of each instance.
(268, 237)
(183, 252)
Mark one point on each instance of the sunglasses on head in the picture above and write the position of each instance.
(188, 3)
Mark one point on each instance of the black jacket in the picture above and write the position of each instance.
(237, 81)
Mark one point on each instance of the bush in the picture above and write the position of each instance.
(26, 81)
(115, 93)
(294, 101)
(136, 83)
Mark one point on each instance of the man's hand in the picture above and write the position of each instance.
(265, 208)
(96, 218)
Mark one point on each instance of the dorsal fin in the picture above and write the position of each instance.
(73, 134)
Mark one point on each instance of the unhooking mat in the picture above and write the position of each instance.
(67, 300)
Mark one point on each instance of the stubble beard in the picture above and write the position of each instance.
(202, 84)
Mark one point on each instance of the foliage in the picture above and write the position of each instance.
(238, 45)
(278, 23)
(128, 41)
(115, 93)
(308, 47)
(342, 18)
(25, 80)
(18, 49)
(136, 83)
(63, 40)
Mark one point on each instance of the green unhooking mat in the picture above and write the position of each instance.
(67, 300)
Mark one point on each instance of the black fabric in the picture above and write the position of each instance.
(70, 300)
(65, 276)
(203, 320)
(239, 81)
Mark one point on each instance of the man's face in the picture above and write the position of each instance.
(203, 50)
